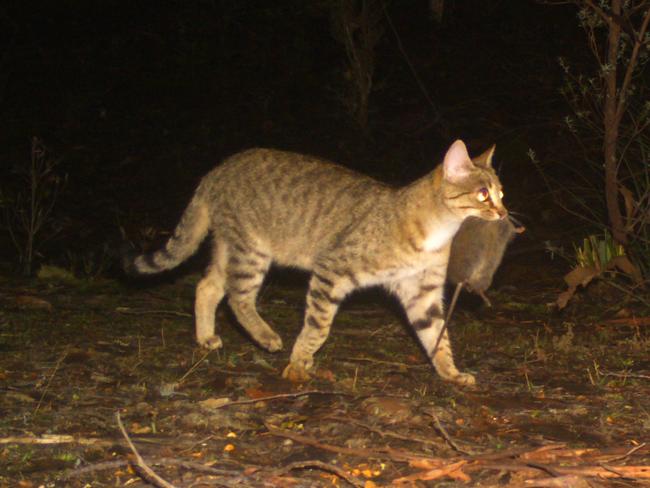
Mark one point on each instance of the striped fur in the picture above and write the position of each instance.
(262, 206)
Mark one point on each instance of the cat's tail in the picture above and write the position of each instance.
(188, 235)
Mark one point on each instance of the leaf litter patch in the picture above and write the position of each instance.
(550, 408)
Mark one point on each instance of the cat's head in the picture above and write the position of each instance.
(470, 187)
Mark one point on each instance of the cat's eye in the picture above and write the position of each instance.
(500, 194)
(482, 195)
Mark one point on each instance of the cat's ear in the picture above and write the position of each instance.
(457, 165)
(485, 159)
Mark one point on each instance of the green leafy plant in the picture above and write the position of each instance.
(609, 125)
(600, 256)
(598, 251)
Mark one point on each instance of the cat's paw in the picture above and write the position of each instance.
(211, 343)
(271, 342)
(464, 379)
(295, 373)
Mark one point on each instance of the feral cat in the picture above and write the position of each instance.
(476, 252)
(351, 231)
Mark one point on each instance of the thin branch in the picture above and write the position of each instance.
(281, 395)
(49, 381)
(140, 462)
(130, 311)
(190, 465)
(638, 42)
(444, 434)
(609, 18)
(341, 473)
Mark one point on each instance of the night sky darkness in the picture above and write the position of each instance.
(139, 99)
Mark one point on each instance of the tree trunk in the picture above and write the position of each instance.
(611, 126)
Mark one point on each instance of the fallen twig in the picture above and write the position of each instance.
(48, 439)
(632, 472)
(130, 311)
(628, 453)
(444, 434)
(190, 465)
(385, 433)
(140, 462)
(633, 321)
(628, 375)
(452, 470)
(279, 396)
(49, 381)
(520, 460)
(391, 363)
(193, 367)
(341, 473)
(394, 454)
(559, 482)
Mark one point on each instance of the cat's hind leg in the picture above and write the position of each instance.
(209, 293)
(246, 271)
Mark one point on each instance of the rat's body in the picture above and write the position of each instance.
(476, 253)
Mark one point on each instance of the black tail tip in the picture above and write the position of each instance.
(128, 255)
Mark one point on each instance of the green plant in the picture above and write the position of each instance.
(28, 205)
(598, 251)
(600, 256)
(611, 115)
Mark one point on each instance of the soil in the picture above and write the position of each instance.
(562, 399)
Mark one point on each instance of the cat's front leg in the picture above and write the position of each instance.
(421, 297)
(323, 299)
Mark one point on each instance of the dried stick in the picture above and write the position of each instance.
(49, 381)
(394, 454)
(129, 311)
(444, 433)
(353, 480)
(628, 453)
(201, 468)
(280, 395)
(193, 368)
(384, 433)
(390, 363)
(628, 375)
(55, 439)
(140, 462)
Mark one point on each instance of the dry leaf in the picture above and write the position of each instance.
(560, 482)
(452, 471)
(214, 403)
(630, 205)
(426, 463)
(136, 428)
(623, 264)
(26, 301)
(255, 393)
(580, 275)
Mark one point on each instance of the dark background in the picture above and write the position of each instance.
(139, 99)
